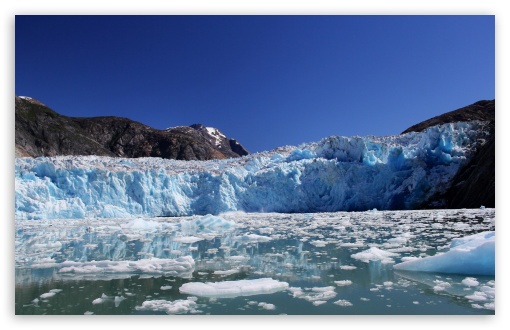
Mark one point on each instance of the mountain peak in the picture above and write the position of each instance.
(220, 140)
(40, 131)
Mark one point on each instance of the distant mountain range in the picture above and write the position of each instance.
(40, 131)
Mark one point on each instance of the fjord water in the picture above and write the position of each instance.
(140, 266)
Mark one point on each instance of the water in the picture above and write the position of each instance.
(113, 266)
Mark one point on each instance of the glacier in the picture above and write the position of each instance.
(335, 174)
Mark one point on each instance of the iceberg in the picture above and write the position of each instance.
(232, 289)
(374, 254)
(470, 255)
(169, 307)
(182, 267)
(335, 174)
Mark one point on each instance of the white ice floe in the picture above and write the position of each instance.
(314, 294)
(118, 299)
(226, 272)
(348, 267)
(231, 289)
(267, 306)
(343, 282)
(343, 303)
(170, 307)
(374, 254)
(473, 254)
(470, 281)
(181, 267)
(101, 300)
(50, 294)
(477, 296)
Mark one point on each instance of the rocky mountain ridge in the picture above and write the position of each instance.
(475, 183)
(40, 131)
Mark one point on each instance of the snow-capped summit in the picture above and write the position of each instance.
(220, 140)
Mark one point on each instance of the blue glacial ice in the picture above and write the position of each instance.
(334, 174)
(472, 255)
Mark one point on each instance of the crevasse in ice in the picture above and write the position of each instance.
(336, 173)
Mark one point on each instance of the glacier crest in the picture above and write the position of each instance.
(336, 173)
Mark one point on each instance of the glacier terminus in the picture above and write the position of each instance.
(334, 174)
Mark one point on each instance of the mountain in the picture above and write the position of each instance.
(475, 182)
(40, 131)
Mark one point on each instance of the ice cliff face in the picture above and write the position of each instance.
(336, 173)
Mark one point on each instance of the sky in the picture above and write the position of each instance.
(267, 81)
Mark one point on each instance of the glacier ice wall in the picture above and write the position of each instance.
(336, 173)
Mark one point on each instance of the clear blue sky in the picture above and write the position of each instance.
(267, 81)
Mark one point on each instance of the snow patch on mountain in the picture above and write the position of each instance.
(217, 136)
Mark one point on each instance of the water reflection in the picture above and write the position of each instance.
(305, 250)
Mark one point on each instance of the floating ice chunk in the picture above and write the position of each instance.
(441, 285)
(231, 289)
(350, 244)
(118, 299)
(165, 287)
(470, 281)
(319, 243)
(374, 254)
(47, 295)
(343, 303)
(226, 272)
(490, 306)
(343, 283)
(169, 307)
(474, 254)
(348, 267)
(181, 267)
(477, 296)
(267, 306)
(314, 294)
(100, 300)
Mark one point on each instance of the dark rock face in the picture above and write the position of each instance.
(482, 110)
(475, 183)
(41, 131)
